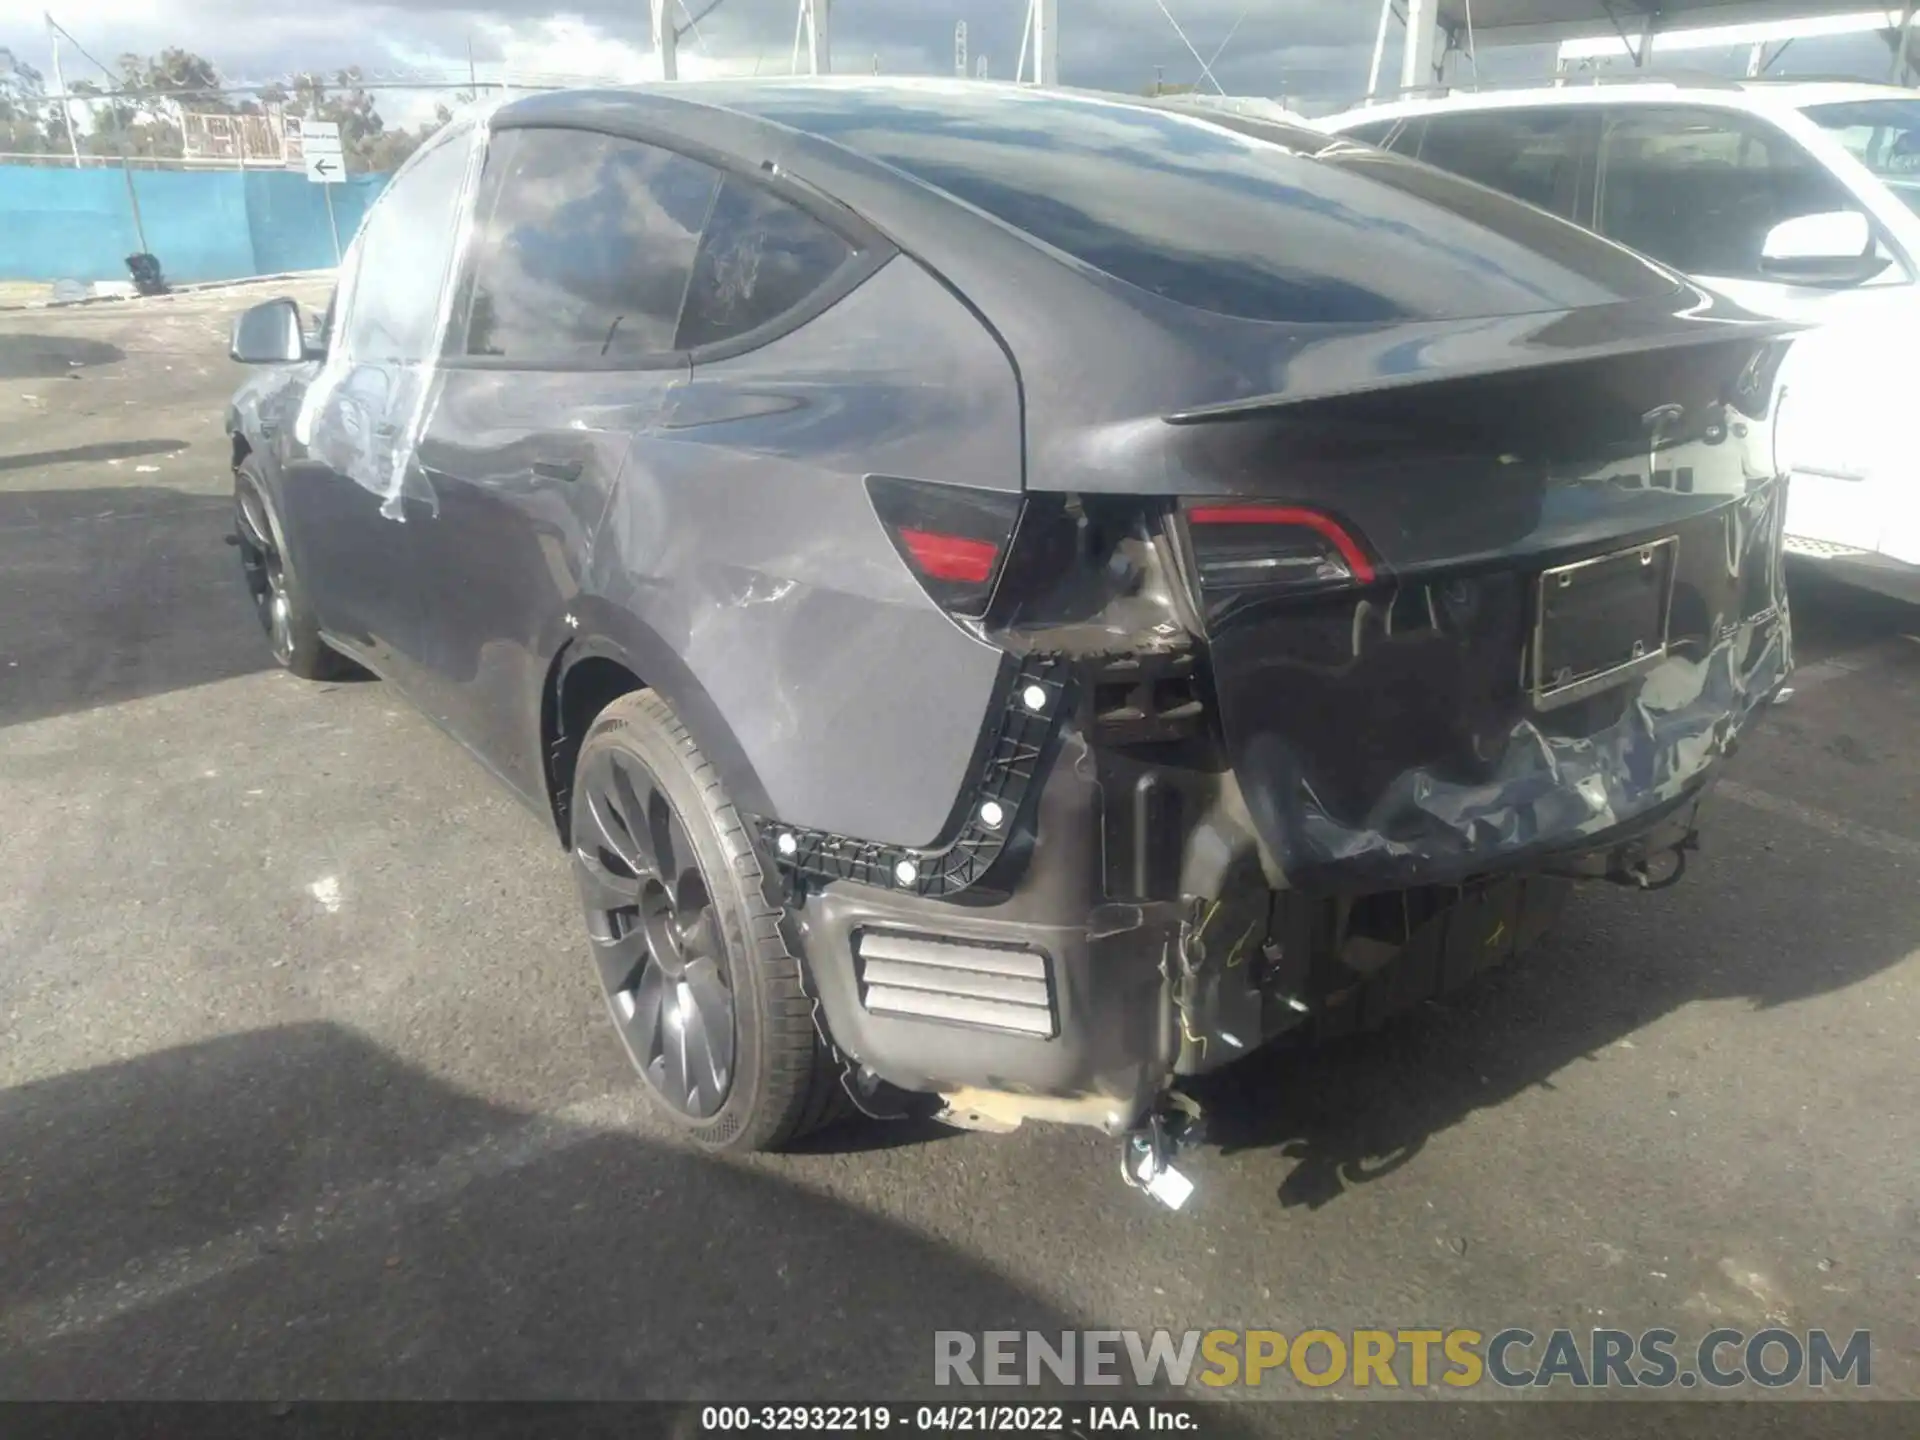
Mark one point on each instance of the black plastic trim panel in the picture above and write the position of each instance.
(1010, 770)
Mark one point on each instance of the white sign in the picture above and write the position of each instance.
(320, 150)
(320, 135)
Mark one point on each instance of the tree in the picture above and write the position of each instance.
(26, 117)
(189, 79)
(364, 137)
(138, 114)
(141, 114)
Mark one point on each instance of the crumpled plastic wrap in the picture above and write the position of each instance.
(363, 415)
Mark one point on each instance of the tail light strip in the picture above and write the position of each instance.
(1293, 517)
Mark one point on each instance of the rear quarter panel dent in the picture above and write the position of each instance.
(743, 538)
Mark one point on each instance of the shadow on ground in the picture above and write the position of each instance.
(1354, 1111)
(1831, 618)
(1358, 1110)
(82, 454)
(292, 1212)
(44, 357)
(112, 594)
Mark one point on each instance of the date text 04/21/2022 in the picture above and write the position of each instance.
(950, 1419)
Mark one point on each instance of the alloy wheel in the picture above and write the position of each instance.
(266, 575)
(656, 935)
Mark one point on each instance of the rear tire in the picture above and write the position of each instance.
(286, 616)
(688, 944)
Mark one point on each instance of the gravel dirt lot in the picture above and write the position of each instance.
(305, 1087)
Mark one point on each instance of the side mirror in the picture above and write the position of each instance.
(1832, 249)
(269, 334)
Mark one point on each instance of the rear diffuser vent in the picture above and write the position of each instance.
(927, 977)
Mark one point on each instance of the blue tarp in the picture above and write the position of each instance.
(66, 224)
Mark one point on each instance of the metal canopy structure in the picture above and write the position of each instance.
(813, 38)
(1536, 22)
(1439, 29)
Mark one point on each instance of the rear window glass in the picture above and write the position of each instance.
(759, 258)
(1229, 220)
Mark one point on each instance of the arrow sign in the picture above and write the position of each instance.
(325, 168)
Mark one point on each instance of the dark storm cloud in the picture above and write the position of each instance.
(1311, 50)
(1103, 43)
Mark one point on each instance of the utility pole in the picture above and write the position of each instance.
(1416, 62)
(816, 18)
(1379, 49)
(1046, 39)
(1039, 35)
(60, 84)
(666, 39)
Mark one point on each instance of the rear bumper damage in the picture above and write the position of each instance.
(1155, 934)
(1305, 818)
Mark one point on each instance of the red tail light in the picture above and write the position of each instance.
(952, 558)
(953, 537)
(1241, 549)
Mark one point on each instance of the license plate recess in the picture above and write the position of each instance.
(1600, 622)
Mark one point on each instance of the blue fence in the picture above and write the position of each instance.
(64, 224)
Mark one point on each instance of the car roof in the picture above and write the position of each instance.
(1761, 96)
(788, 100)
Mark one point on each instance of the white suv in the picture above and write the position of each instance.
(1797, 199)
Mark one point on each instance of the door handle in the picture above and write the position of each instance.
(557, 469)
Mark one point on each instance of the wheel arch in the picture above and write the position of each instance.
(613, 653)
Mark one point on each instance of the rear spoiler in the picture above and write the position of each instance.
(1352, 363)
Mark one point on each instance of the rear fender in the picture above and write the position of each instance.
(603, 630)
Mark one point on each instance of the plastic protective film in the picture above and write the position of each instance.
(367, 408)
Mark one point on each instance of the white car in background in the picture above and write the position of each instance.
(1799, 200)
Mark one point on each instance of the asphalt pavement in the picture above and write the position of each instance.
(306, 1090)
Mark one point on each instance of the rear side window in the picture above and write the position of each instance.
(758, 259)
(583, 247)
(1700, 189)
(1533, 155)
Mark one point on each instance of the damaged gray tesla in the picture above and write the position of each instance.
(1013, 598)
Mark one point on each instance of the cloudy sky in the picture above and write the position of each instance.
(1313, 50)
